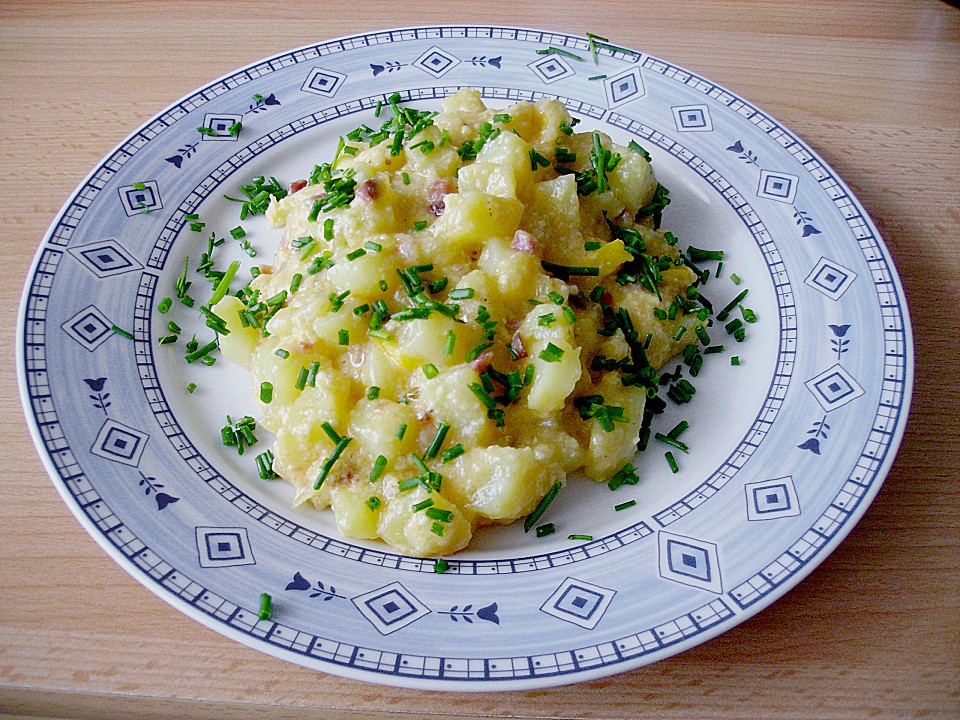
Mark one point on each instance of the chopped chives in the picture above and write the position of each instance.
(667, 439)
(625, 505)
(378, 467)
(437, 442)
(330, 461)
(265, 612)
(435, 513)
(564, 272)
(122, 332)
(373, 393)
(358, 253)
(580, 537)
(191, 388)
(451, 453)
(301, 382)
(546, 529)
(201, 352)
(591, 245)
(238, 232)
(373, 246)
(735, 278)
(328, 229)
(430, 370)
(164, 305)
(440, 566)
(266, 391)
(312, 373)
(401, 431)
(558, 51)
(451, 341)
(330, 432)
(295, 282)
(461, 293)
(542, 506)
(735, 360)
(343, 337)
(725, 313)
(422, 505)
(281, 353)
(373, 503)
(671, 461)
(551, 353)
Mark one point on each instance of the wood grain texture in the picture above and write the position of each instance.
(873, 87)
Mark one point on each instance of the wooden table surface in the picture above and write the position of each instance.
(874, 87)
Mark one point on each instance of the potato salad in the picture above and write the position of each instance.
(467, 308)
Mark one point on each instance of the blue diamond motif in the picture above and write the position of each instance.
(771, 499)
(89, 327)
(140, 198)
(436, 62)
(830, 278)
(579, 603)
(120, 443)
(324, 82)
(834, 388)
(551, 68)
(689, 561)
(692, 118)
(390, 608)
(224, 547)
(220, 124)
(778, 186)
(624, 87)
(105, 258)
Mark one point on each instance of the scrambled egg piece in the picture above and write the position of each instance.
(465, 308)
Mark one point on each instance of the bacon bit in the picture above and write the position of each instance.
(436, 193)
(606, 298)
(304, 345)
(576, 300)
(266, 269)
(516, 344)
(524, 242)
(483, 362)
(369, 190)
(297, 185)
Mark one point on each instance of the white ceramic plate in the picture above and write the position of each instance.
(787, 449)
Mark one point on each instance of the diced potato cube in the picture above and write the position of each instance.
(473, 217)
(448, 398)
(415, 532)
(375, 426)
(499, 483)
(512, 270)
(355, 518)
(488, 177)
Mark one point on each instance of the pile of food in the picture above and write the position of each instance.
(466, 308)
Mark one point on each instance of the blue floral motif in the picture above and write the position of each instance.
(838, 343)
(151, 486)
(482, 60)
(300, 583)
(101, 400)
(467, 613)
(388, 67)
(805, 222)
(819, 432)
(746, 155)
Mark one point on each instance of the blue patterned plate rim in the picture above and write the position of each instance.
(757, 513)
